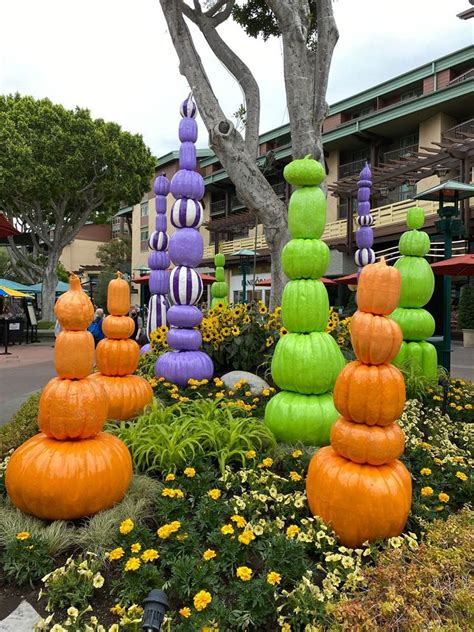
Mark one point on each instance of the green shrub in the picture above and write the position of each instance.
(26, 559)
(466, 308)
(46, 324)
(21, 427)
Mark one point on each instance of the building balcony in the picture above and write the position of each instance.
(351, 168)
(401, 152)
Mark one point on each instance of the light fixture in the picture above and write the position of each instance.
(441, 172)
(155, 607)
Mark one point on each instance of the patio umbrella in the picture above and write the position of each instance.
(456, 266)
(7, 229)
(349, 279)
(8, 291)
(2, 292)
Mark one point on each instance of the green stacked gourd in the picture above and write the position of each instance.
(219, 289)
(416, 323)
(307, 360)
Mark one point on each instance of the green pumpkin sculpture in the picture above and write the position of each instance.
(307, 360)
(416, 323)
(219, 289)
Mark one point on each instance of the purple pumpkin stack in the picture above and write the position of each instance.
(186, 250)
(159, 261)
(364, 235)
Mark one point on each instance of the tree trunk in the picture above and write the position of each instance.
(276, 240)
(48, 294)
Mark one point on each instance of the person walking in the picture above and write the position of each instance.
(95, 327)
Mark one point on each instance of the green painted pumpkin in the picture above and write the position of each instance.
(219, 260)
(219, 289)
(417, 281)
(307, 213)
(304, 172)
(415, 323)
(301, 418)
(305, 306)
(415, 243)
(307, 364)
(415, 217)
(220, 274)
(305, 258)
(422, 355)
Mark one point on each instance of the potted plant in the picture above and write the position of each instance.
(466, 315)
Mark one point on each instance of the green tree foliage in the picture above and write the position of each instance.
(116, 254)
(63, 274)
(100, 293)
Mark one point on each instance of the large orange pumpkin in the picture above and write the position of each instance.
(127, 395)
(375, 339)
(117, 357)
(373, 395)
(118, 296)
(118, 327)
(361, 443)
(65, 480)
(74, 309)
(74, 354)
(72, 409)
(360, 502)
(378, 289)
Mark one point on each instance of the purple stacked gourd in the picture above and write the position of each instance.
(158, 260)
(364, 235)
(186, 249)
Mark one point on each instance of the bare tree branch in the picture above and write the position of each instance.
(327, 40)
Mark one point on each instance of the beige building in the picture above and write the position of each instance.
(81, 254)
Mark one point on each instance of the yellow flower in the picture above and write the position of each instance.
(468, 406)
(133, 564)
(251, 454)
(443, 498)
(209, 554)
(248, 393)
(190, 472)
(73, 612)
(244, 573)
(227, 529)
(136, 548)
(292, 531)
(215, 494)
(426, 491)
(295, 476)
(23, 535)
(286, 627)
(182, 537)
(166, 530)
(269, 341)
(185, 612)
(235, 331)
(171, 492)
(118, 610)
(149, 555)
(246, 536)
(239, 521)
(425, 471)
(461, 476)
(98, 581)
(296, 453)
(116, 554)
(201, 600)
(458, 459)
(230, 392)
(170, 477)
(283, 331)
(424, 445)
(126, 526)
(266, 392)
(219, 395)
(262, 309)
(268, 462)
(273, 578)
(246, 319)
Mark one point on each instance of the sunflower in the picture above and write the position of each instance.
(219, 306)
(225, 331)
(283, 331)
(247, 320)
(206, 337)
(269, 341)
(262, 309)
(237, 312)
(235, 331)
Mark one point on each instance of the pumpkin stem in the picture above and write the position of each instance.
(74, 282)
(118, 274)
(382, 261)
(310, 156)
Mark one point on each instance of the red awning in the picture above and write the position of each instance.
(268, 282)
(349, 279)
(7, 229)
(206, 278)
(456, 266)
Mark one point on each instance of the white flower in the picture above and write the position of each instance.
(58, 628)
(98, 581)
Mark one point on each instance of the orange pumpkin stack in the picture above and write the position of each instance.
(71, 469)
(117, 357)
(357, 484)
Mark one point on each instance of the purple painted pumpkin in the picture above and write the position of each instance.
(187, 184)
(160, 223)
(158, 260)
(159, 282)
(184, 339)
(363, 208)
(188, 108)
(365, 237)
(184, 316)
(186, 213)
(157, 309)
(365, 220)
(363, 195)
(186, 247)
(179, 367)
(158, 241)
(161, 186)
(160, 205)
(185, 286)
(145, 349)
(188, 130)
(187, 156)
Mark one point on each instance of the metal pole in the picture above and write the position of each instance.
(447, 284)
(255, 258)
(244, 283)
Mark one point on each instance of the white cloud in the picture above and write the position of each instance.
(116, 58)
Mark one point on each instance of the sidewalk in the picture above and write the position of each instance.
(462, 362)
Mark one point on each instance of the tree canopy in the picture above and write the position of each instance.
(116, 254)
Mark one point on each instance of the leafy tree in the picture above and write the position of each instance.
(309, 34)
(116, 254)
(100, 292)
(58, 169)
(4, 263)
(63, 274)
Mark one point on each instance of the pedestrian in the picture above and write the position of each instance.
(95, 327)
(138, 331)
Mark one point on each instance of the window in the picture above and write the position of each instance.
(144, 234)
(411, 94)
(144, 209)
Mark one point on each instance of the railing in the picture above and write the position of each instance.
(458, 130)
(217, 207)
(229, 247)
(464, 77)
(351, 168)
(401, 152)
(436, 251)
(235, 203)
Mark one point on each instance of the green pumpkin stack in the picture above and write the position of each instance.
(219, 289)
(307, 360)
(416, 323)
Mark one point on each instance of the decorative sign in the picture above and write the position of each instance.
(14, 326)
(31, 315)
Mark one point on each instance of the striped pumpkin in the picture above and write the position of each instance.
(158, 241)
(186, 213)
(185, 286)
(157, 309)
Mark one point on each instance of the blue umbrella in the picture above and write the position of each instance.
(3, 293)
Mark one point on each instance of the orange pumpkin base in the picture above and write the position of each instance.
(127, 395)
(65, 480)
(360, 502)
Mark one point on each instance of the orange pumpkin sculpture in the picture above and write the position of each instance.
(71, 469)
(117, 357)
(357, 484)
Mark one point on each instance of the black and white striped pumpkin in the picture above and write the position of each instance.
(364, 256)
(158, 306)
(185, 286)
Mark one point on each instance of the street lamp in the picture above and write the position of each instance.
(155, 607)
(245, 257)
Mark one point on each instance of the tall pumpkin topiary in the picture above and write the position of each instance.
(416, 323)
(357, 484)
(220, 288)
(186, 361)
(307, 360)
(71, 469)
(364, 235)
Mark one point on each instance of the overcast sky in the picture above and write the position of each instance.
(115, 57)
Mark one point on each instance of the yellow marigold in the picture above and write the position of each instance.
(458, 459)
(273, 578)
(268, 462)
(425, 471)
(149, 555)
(133, 564)
(23, 535)
(461, 476)
(244, 573)
(126, 526)
(170, 477)
(246, 537)
(266, 392)
(185, 612)
(296, 454)
(190, 472)
(202, 599)
(219, 395)
(251, 454)
(239, 521)
(295, 476)
(116, 554)
(426, 491)
(118, 610)
(136, 548)
(443, 498)
(215, 494)
(171, 492)
(292, 531)
(209, 554)
(227, 529)
(248, 393)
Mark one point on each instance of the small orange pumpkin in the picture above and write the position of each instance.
(74, 354)
(373, 395)
(361, 502)
(127, 395)
(118, 327)
(367, 444)
(375, 339)
(72, 409)
(118, 296)
(74, 309)
(378, 290)
(117, 357)
(65, 480)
